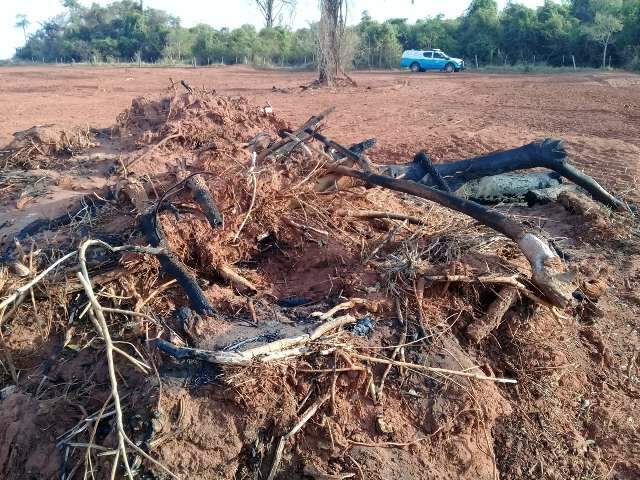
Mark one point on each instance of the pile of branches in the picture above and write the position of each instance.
(242, 203)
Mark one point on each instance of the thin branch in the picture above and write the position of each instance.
(423, 368)
(253, 195)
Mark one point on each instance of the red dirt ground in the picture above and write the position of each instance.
(597, 114)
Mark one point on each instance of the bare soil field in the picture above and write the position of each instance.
(597, 115)
(292, 323)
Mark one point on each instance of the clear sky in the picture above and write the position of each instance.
(230, 13)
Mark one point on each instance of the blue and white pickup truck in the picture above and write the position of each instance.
(421, 60)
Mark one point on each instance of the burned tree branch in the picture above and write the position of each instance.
(300, 133)
(347, 152)
(423, 159)
(548, 153)
(547, 268)
(203, 197)
(173, 266)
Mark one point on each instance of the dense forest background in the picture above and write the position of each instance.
(595, 32)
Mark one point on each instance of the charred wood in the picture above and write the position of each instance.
(203, 197)
(548, 153)
(173, 266)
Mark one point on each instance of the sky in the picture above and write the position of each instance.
(230, 13)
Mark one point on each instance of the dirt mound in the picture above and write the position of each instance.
(45, 146)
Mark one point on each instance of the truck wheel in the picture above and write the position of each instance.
(449, 68)
(415, 67)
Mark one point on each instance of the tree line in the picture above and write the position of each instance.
(596, 32)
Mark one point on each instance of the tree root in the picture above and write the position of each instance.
(480, 328)
(287, 347)
(374, 215)
(233, 277)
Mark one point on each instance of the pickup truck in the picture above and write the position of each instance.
(421, 60)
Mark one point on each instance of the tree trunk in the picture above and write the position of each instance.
(548, 271)
(604, 53)
(330, 31)
(548, 153)
(268, 16)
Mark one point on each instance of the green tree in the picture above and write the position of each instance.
(557, 26)
(606, 21)
(602, 29)
(479, 29)
(519, 32)
(591, 30)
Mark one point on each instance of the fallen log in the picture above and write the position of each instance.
(549, 195)
(549, 153)
(509, 187)
(548, 273)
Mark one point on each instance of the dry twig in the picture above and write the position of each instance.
(424, 368)
(306, 416)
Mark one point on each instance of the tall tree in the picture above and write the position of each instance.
(22, 22)
(333, 18)
(480, 28)
(519, 32)
(602, 29)
(272, 9)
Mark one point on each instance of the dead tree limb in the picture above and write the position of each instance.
(300, 133)
(548, 153)
(286, 347)
(436, 178)
(347, 152)
(173, 266)
(233, 277)
(548, 272)
(203, 197)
